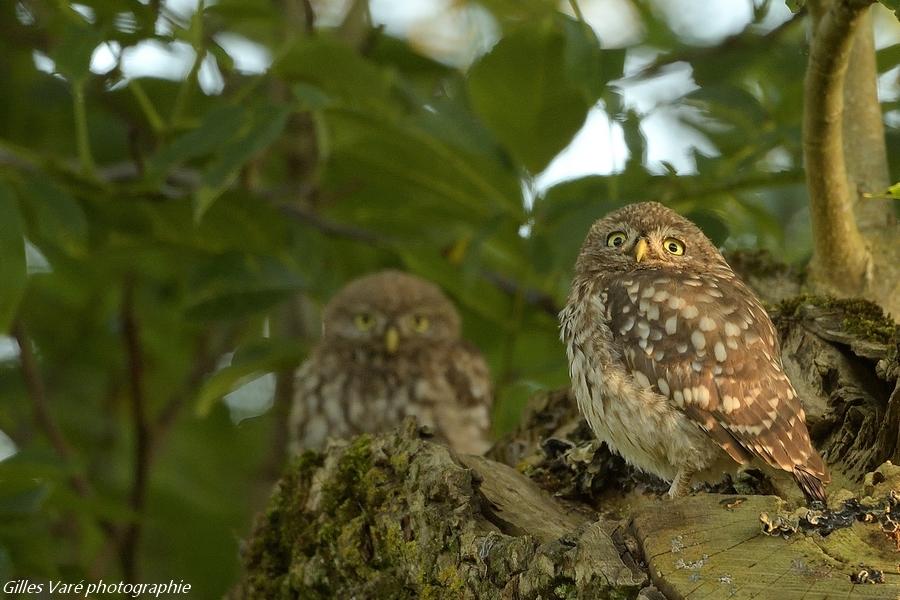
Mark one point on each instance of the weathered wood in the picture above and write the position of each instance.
(712, 546)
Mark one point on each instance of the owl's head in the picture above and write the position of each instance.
(646, 235)
(390, 313)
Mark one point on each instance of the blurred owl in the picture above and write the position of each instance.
(391, 348)
(674, 362)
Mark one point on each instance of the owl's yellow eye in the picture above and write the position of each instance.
(673, 246)
(364, 321)
(421, 324)
(616, 239)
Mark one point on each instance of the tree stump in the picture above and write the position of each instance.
(551, 513)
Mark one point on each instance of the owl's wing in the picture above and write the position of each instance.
(467, 424)
(706, 343)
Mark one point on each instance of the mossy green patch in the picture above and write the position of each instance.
(859, 316)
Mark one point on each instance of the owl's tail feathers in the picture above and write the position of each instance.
(811, 484)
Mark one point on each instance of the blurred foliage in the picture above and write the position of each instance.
(179, 242)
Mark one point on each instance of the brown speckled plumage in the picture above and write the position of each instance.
(674, 361)
(356, 380)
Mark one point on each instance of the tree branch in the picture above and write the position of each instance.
(42, 415)
(134, 357)
(864, 148)
(840, 256)
(44, 418)
(737, 41)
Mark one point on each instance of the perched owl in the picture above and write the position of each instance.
(391, 348)
(674, 362)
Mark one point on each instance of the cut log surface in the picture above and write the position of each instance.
(713, 546)
(551, 513)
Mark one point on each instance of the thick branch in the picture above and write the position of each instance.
(864, 146)
(840, 256)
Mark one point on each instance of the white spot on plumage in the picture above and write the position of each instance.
(701, 396)
(690, 311)
(707, 324)
(731, 329)
(676, 303)
(663, 386)
(672, 325)
(643, 329)
(719, 351)
(730, 404)
(661, 296)
(641, 379)
(648, 292)
(698, 340)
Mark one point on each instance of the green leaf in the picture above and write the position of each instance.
(248, 363)
(55, 219)
(73, 54)
(232, 286)
(6, 564)
(523, 92)
(220, 125)
(336, 69)
(415, 169)
(893, 5)
(267, 125)
(21, 497)
(888, 58)
(711, 224)
(892, 193)
(13, 270)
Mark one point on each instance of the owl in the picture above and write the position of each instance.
(674, 362)
(390, 349)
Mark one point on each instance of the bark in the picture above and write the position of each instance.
(551, 513)
(845, 157)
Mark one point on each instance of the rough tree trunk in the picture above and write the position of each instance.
(552, 514)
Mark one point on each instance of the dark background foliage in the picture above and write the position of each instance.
(179, 243)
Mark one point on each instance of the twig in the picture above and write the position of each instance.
(187, 86)
(134, 356)
(81, 129)
(333, 228)
(577, 10)
(732, 42)
(840, 256)
(533, 297)
(309, 15)
(146, 105)
(42, 415)
(205, 362)
(44, 418)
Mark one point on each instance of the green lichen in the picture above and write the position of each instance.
(859, 316)
(394, 517)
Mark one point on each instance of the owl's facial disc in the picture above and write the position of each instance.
(631, 247)
(383, 332)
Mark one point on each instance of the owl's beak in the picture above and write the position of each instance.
(391, 340)
(640, 249)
